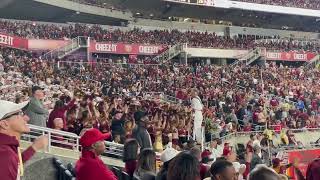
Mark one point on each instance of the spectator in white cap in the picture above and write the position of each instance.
(13, 123)
(166, 156)
(240, 169)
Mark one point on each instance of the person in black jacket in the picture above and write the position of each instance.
(140, 132)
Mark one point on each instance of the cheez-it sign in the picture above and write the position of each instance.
(6, 40)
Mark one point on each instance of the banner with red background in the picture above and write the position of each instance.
(13, 41)
(122, 48)
(290, 56)
(46, 44)
(304, 157)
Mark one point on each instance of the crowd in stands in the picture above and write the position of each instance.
(106, 96)
(114, 98)
(160, 37)
(306, 4)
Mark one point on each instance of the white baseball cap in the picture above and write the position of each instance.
(8, 108)
(168, 154)
(237, 166)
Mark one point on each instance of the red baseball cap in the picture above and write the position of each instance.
(92, 136)
(226, 152)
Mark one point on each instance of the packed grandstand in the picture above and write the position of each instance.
(159, 103)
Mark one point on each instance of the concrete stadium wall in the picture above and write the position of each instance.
(220, 29)
(88, 9)
(216, 53)
(148, 25)
(41, 167)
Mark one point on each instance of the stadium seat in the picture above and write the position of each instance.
(117, 172)
(70, 167)
(68, 175)
(125, 176)
(60, 168)
(61, 172)
(57, 161)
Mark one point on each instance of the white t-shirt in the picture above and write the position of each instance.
(215, 153)
(196, 104)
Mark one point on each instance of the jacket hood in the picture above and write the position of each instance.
(8, 140)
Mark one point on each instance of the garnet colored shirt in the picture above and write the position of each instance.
(9, 159)
(203, 170)
(90, 166)
(130, 167)
(60, 113)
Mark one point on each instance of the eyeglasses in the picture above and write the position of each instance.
(20, 113)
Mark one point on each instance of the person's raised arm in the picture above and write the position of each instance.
(40, 143)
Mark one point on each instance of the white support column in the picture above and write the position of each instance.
(88, 49)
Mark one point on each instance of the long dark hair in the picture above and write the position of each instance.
(147, 160)
(59, 104)
(130, 150)
(184, 167)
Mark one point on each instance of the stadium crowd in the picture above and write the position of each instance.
(148, 107)
(116, 98)
(159, 37)
(235, 99)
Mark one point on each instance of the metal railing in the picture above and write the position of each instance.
(252, 56)
(248, 133)
(73, 45)
(170, 53)
(267, 95)
(68, 140)
(312, 63)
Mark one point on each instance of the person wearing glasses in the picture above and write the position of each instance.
(13, 123)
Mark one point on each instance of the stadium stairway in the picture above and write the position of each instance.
(70, 47)
(313, 63)
(170, 53)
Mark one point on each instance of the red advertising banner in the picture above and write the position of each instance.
(290, 56)
(121, 48)
(13, 41)
(46, 44)
(304, 157)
